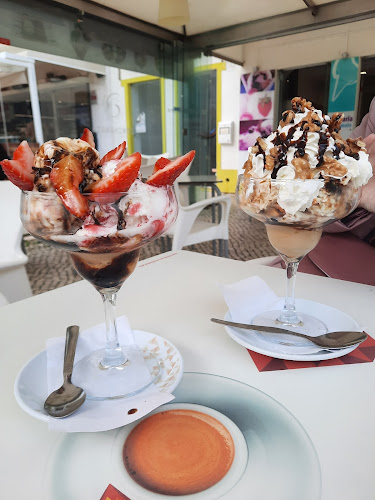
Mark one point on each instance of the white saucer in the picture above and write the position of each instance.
(282, 462)
(30, 388)
(333, 318)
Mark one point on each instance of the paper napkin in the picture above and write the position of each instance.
(248, 297)
(95, 416)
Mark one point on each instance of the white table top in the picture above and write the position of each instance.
(175, 295)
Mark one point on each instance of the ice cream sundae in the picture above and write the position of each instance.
(102, 212)
(306, 146)
(300, 178)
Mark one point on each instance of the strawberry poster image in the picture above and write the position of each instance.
(258, 82)
(257, 95)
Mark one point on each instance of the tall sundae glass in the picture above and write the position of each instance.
(293, 237)
(105, 252)
(102, 212)
(298, 180)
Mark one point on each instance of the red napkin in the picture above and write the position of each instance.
(111, 493)
(364, 353)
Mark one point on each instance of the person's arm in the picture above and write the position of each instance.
(367, 200)
(367, 125)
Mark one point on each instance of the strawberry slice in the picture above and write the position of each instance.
(88, 137)
(122, 178)
(19, 170)
(167, 175)
(66, 176)
(114, 154)
(161, 163)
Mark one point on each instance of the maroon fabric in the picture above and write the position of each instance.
(345, 257)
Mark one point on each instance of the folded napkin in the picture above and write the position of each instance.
(252, 296)
(95, 416)
(248, 297)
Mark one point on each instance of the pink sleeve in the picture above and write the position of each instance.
(367, 125)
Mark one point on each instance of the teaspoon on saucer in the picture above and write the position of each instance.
(68, 398)
(331, 340)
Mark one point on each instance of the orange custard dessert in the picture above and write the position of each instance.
(178, 452)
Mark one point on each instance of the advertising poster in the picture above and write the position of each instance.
(256, 109)
(343, 91)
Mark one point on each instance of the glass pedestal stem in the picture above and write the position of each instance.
(113, 357)
(289, 315)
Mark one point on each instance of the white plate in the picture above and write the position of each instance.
(282, 461)
(333, 318)
(30, 388)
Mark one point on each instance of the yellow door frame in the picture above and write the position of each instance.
(129, 112)
(229, 177)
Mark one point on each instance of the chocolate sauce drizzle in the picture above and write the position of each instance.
(322, 147)
(284, 141)
(121, 221)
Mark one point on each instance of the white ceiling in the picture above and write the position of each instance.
(207, 15)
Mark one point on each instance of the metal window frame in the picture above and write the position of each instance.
(28, 64)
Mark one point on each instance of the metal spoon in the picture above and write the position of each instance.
(68, 398)
(331, 340)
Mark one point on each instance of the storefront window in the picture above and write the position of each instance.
(311, 83)
(64, 108)
(367, 87)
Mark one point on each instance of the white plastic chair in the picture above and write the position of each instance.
(14, 282)
(187, 230)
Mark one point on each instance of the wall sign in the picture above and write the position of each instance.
(343, 91)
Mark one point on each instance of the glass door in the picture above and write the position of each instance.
(311, 82)
(145, 114)
(202, 112)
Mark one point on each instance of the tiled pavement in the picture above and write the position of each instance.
(50, 268)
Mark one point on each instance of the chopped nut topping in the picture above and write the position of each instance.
(287, 117)
(334, 124)
(270, 162)
(302, 168)
(248, 165)
(332, 167)
(356, 145)
(262, 143)
(298, 104)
